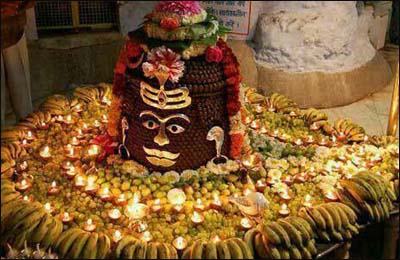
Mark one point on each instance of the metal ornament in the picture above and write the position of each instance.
(216, 134)
(122, 149)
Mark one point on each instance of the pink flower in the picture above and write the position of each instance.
(213, 54)
(179, 7)
(164, 59)
(169, 23)
(107, 143)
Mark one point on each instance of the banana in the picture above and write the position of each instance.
(337, 221)
(90, 250)
(76, 249)
(274, 252)
(152, 251)
(376, 213)
(294, 253)
(268, 232)
(307, 217)
(249, 238)
(140, 252)
(327, 217)
(311, 247)
(336, 235)
(305, 254)
(104, 246)
(371, 212)
(370, 189)
(385, 208)
(317, 217)
(294, 234)
(197, 249)
(122, 243)
(357, 199)
(303, 227)
(323, 236)
(234, 249)
(353, 229)
(342, 215)
(381, 210)
(10, 197)
(40, 231)
(211, 251)
(247, 254)
(54, 231)
(223, 250)
(284, 253)
(29, 217)
(357, 188)
(172, 251)
(345, 199)
(185, 254)
(66, 244)
(280, 231)
(347, 234)
(129, 251)
(22, 214)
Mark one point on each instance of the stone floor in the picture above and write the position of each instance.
(371, 112)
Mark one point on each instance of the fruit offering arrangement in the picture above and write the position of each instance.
(300, 181)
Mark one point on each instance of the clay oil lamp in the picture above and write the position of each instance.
(197, 219)
(247, 120)
(274, 176)
(146, 236)
(301, 177)
(334, 142)
(261, 186)
(307, 201)
(199, 206)
(78, 108)
(215, 239)
(114, 214)
(288, 180)
(105, 194)
(246, 224)
(285, 196)
(59, 119)
(177, 197)
(90, 225)
(43, 126)
(216, 203)
(293, 114)
(68, 120)
(53, 189)
(25, 143)
(323, 141)
(96, 124)
(156, 207)
(45, 154)
(264, 130)
(136, 210)
(92, 152)
(274, 133)
(256, 124)
(121, 200)
(104, 119)
(341, 137)
(298, 142)
(314, 127)
(22, 167)
(117, 236)
(48, 207)
(180, 243)
(66, 165)
(78, 133)
(72, 152)
(310, 139)
(91, 185)
(259, 109)
(28, 198)
(72, 171)
(283, 137)
(66, 218)
(80, 181)
(86, 129)
(330, 196)
(105, 101)
(23, 185)
(29, 136)
(283, 210)
(250, 161)
(75, 141)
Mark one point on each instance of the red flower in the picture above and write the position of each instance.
(213, 54)
(132, 49)
(119, 84)
(236, 145)
(169, 23)
(233, 108)
(107, 143)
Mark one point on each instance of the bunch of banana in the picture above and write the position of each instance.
(369, 195)
(75, 243)
(12, 135)
(252, 96)
(332, 221)
(313, 115)
(59, 105)
(383, 141)
(281, 103)
(8, 192)
(22, 220)
(10, 154)
(287, 238)
(346, 130)
(34, 120)
(130, 247)
(394, 186)
(91, 93)
(231, 248)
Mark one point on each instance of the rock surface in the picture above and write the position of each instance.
(313, 36)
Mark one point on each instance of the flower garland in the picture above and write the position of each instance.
(130, 56)
(233, 79)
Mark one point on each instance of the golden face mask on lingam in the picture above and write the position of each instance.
(171, 107)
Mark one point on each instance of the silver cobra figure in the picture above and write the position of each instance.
(122, 149)
(216, 134)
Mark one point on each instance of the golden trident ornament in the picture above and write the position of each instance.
(123, 150)
(394, 107)
(161, 98)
